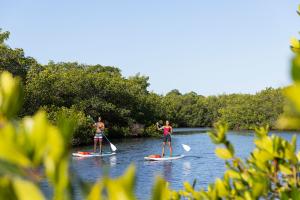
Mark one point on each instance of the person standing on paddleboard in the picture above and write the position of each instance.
(99, 134)
(168, 130)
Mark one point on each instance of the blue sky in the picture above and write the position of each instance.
(210, 47)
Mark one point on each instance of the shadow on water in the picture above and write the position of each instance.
(191, 156)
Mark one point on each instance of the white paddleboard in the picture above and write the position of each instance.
(164, 158)
(91, 154)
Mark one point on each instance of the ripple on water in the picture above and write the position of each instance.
(200, 163)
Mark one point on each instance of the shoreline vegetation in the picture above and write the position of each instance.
(128, 108)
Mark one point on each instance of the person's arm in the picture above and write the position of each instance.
(159, 128)
(171, 131)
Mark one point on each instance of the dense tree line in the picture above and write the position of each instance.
(239, 111)
(84, 92)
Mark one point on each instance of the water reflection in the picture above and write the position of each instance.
(98, 161)
(186, 168)
(113, 161)
(78, 158)
(167, 170)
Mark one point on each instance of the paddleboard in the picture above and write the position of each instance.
(91, 154)
(164, 158)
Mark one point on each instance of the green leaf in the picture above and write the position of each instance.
(298, 155)
(239, 185)
(295, 43)
(213, 137)
(262, 155)
(293, 94)
(95, 193)
(223, 153)
(9, 151)
(221, 188)
(295, 71)
(285, 170)
(259, 187)
(298, 11)
(233, 174)
(288, 123)
(265, 143)
(159, 191)
(218, 135)
(122, 187)
(128, 180)
(294, 143)
(26, 190)
(295, 193)
(262, 131)
(247, 196)
(11, 95)
(230, 147)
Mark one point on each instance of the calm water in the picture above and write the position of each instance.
(200, 163)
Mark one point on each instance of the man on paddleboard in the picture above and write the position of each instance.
(168, 130)
(99, 134)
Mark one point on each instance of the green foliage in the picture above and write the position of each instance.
(14, 60)
(290, 119)
(92, 90)
(83, 131)
(239, 111)
(26, 146)
(250, 111)
(161, 190)
(114, 189)
(10, 100)
(3, 37)
(295, 69)
(152, 131)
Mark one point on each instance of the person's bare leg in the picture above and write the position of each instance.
(100, 146)
(170, 146)
(163, 150)
(95, 145)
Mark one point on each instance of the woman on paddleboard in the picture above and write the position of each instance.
(168, 130)
(99, 134)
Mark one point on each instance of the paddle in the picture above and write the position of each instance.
(112, 146)
(186, 147)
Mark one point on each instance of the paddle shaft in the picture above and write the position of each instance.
(106, 138)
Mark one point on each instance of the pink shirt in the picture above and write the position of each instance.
(167, 130)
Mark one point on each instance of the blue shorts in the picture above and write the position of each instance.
(167, 138)
(98, 136)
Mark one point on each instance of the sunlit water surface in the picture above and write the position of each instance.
(200, 163)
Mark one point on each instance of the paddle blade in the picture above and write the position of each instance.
(186, 147)
(113, 147)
